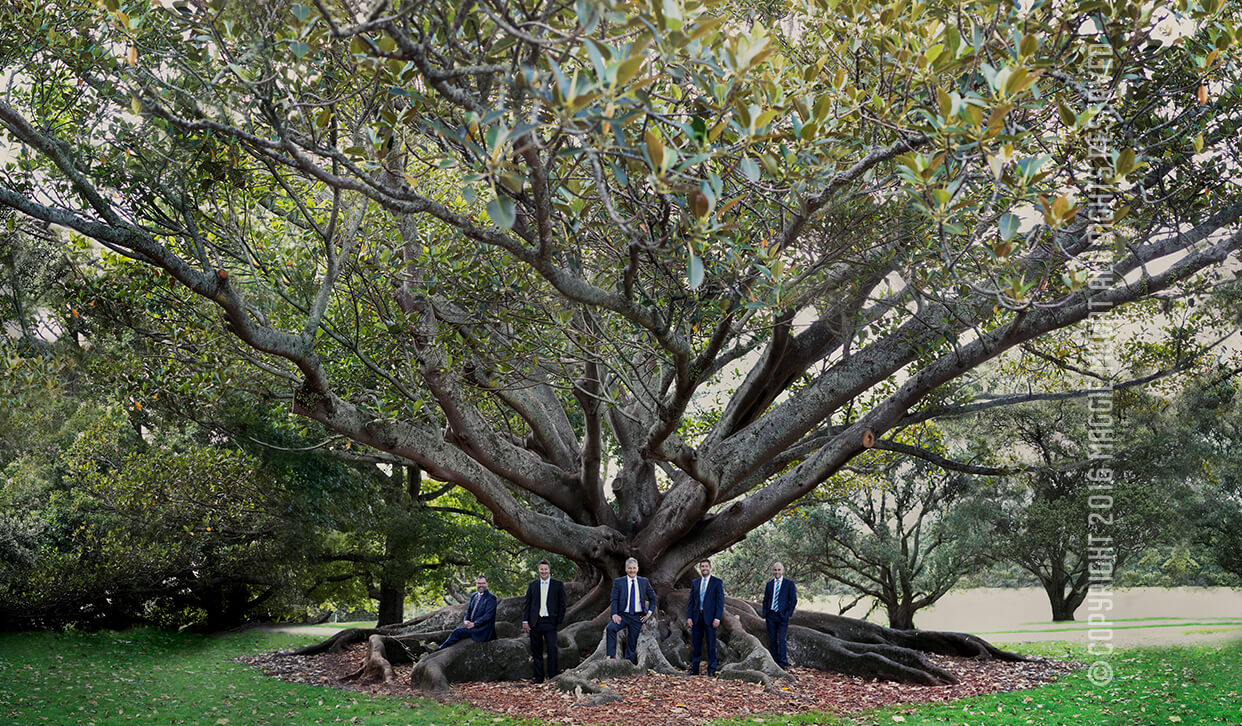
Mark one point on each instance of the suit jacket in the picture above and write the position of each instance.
(484, 616)
(789, 598)
(713, 601)
(621, 595)
(556, 601)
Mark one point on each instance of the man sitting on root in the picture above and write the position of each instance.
(633, 601)
(479, 623)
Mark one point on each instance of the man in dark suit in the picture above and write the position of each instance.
(633, 601)
(779, 599)
(703, 614)
(542, 613)
(479, 623)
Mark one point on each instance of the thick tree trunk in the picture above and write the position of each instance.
(225, 605)
(1064, 600)
(901, 615)
(391, 603)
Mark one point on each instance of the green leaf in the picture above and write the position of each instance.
(512, 182)
(1068, 118)
(629, 68)
(673, 17)
(655, 148)
(945, 102)
(1029, 45)
(749, 169)
(1009, 224)
(502, 212)
(695, 272)
(1125, 162)
(769, 163)
(301, 12)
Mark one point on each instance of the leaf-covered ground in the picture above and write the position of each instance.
(686, 701)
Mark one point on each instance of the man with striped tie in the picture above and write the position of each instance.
(633, 601)
(479, 623)
(779, 599)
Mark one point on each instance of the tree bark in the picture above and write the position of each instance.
(1063, 600)
(391, 602)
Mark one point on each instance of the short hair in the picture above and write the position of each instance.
(544, 562)
(778, 562)
(480, 577)
(632, 559)
(705, 560)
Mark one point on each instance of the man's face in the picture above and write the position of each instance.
(705, 568)
(632, 569)
(778, 570)
(480, 583)
(544, 572)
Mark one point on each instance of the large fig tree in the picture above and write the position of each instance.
(635, 275)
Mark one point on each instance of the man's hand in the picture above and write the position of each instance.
(689, 623)
(616, 619)
(525, 627)
(643, 619)
(469, 624)
(716, 623)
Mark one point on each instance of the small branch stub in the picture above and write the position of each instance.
(868, 439)
(223, 274)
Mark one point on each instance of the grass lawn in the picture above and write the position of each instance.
(152, 677)
(1151, 687)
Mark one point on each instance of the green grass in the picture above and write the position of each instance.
(1151, 687)
(1127, 620)
(1086, 626)
(152, 677)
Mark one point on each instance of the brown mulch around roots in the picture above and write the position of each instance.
(681, 700)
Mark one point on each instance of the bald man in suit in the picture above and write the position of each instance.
(633, 601)
(780, 597)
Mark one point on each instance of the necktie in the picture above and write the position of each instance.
(776, 595)
(702, 593)
(543, 598)
(474, 603)
(633, 592)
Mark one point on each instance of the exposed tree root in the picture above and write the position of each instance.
(338, 642)
(930, 641)
(507, 659)
(816, 640)
(384, 651)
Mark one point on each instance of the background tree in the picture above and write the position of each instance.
(1046, 523)
(511, 245)
(903, 539)
(904, 535)
(1210, 416)
(122, 529)
(366, 540)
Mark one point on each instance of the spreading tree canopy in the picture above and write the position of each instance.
(637, 276)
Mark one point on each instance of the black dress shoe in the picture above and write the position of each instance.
(692, 672)
(711, 674)
(537, 680)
